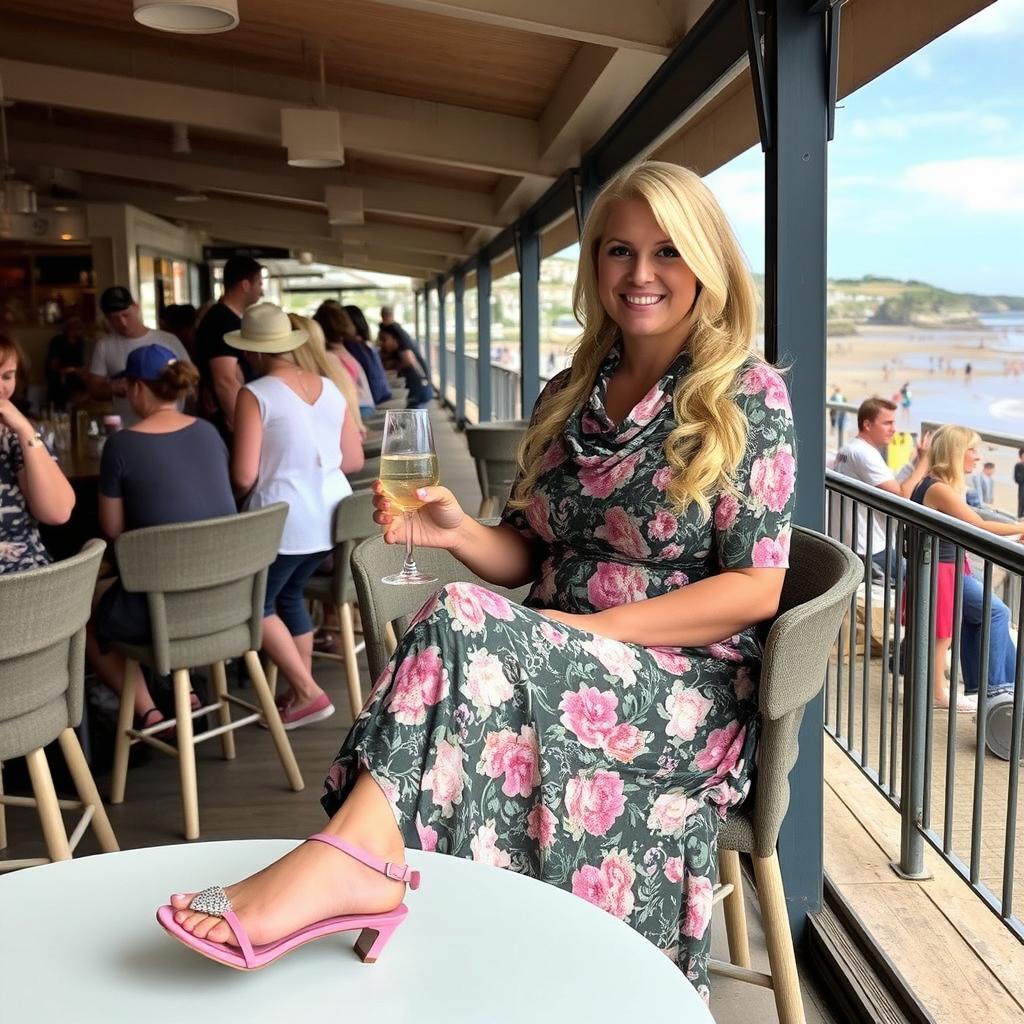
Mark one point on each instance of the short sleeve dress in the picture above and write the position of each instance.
(601, 767)
(20, 545)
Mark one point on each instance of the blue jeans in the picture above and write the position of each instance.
(894, 561)
(420, 397)
(1002, 655)
(286, 581)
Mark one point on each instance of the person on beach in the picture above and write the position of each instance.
(861, 459)
(615, 712)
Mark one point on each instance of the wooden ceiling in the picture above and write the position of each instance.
(365, 45)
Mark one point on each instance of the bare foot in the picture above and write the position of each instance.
(965, 704)
(313, 882)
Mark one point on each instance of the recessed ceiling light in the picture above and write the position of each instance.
(192, 17)
(191, 197)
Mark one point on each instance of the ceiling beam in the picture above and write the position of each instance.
(593, 92)
(398, 236)
(256, 179)
(650, 26)
(373, 123)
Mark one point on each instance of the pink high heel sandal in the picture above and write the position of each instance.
(375, 930)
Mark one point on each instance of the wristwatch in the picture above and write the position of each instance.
(35, 441)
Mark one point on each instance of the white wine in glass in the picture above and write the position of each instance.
(407, 463)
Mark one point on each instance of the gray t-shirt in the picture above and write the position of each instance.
(110, 356)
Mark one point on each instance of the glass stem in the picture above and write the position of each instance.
(409, 569)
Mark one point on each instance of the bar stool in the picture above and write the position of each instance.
(43, 613)
(205, 583)
(494, 446)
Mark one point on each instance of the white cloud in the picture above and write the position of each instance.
(905, 126)
(975, 184)
(920, 65)
(1003, 18)
(740, 193)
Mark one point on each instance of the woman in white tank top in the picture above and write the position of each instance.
(294, 440)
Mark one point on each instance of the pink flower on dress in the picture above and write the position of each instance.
(485, 847)
(428, 836)
(538, 516)
(627, 435)
(590, 424)
(609, 886)
(670, 660)
(671, 551)
(541, 825)
(626, 742)
(663, 526)
(464, 609)
(445, 777)
(674, 869)
(617, 658)
(725, 650)
(670, 812)
(622, 532)
(662, 478)
(764, 378)
(593, 803)
(428, 609)
(554, 455)
(589, 714)
(336, 776)
(773, 477)
(722, 751)
(555, 637)
(420, 681)
(486, 683)
(678, 579)
(772, 552)
(699, 897)
(493, 604)
(614, 584)
(600, 481)
(726, 510)
(648, 407)
(515, 757)
(687, 709)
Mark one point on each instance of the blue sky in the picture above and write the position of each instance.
(926, 172)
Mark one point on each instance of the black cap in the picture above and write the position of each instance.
(116, 299)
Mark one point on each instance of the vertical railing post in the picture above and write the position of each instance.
(428, 352)
(917, 690)
(460, 351)
(795, 318)
(483, 315)
(529, 319)
(442, 343)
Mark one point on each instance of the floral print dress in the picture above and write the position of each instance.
(601, 767)
(20, 545)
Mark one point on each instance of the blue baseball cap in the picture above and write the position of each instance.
(147, 362)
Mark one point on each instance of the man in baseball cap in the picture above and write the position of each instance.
(110, 356)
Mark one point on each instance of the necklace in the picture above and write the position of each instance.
(298, 377)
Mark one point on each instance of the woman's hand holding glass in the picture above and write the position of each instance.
(435, 525)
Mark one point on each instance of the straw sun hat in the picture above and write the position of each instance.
(267, 329)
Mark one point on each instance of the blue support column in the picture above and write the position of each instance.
(483, 359)
(795, 282)
(442, 341)
(460, 351)
(529, 318)
(427, 351)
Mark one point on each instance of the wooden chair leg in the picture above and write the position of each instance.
(87, 791)
(348, 650)
(270, 671)
(46, 805)
(186, 753)
(122, 741)
(390, 640)
(735, 913)
(273, 720)
(3, 812)
(220, 689)
(785, 980)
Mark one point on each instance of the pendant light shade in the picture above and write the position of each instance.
(312, 137)
(344, 205)
(192, 17)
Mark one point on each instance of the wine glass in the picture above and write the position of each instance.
(407, 462)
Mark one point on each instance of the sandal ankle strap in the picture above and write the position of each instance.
(396, 872)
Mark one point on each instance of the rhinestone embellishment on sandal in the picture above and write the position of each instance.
(213, 901)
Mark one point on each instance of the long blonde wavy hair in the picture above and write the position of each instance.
(314, 357)
(946, 454)
(707, 444)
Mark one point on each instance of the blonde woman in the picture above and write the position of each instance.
(954, 456)
(593, 736)
(315, 358)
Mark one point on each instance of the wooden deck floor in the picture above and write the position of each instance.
(248, 798)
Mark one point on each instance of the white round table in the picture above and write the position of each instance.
(79, 942)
